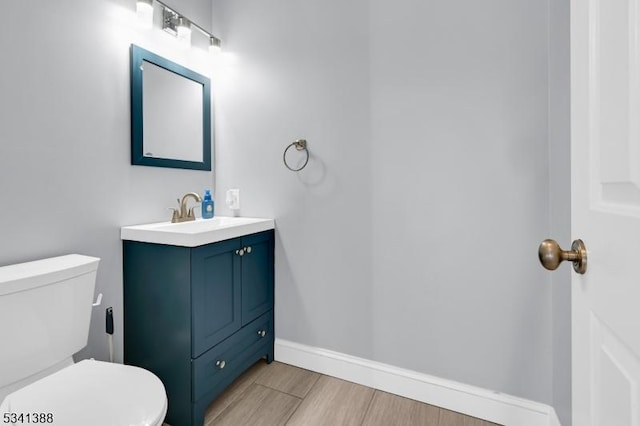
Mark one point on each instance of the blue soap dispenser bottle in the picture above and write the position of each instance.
(207, 205)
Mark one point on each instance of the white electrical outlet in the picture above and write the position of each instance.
(233, 199)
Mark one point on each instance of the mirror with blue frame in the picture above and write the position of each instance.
(170, 113)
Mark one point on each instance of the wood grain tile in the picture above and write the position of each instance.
(388, 409)
(267, 395)
(233, 392)
(333, 401)
(451, 418)
(258, 406)
(288, 379)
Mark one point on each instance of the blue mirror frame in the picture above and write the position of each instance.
(138, 55)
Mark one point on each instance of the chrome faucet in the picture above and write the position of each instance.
(185, 214)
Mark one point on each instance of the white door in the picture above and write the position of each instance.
(605, 159)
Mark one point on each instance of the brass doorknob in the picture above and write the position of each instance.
(551, 255)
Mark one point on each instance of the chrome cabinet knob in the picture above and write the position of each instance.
(240, 252)
(551, 255)
(221, 364)
(248, 249)
(262, 333)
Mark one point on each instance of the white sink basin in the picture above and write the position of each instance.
(196, 233)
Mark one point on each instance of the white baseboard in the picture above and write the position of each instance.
(474, 401)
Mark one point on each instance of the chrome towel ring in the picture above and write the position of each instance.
(301, 145)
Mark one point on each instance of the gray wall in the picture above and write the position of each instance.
(302, 71)
(411, 236)
(459, 120)
(65, 176)
(560, 200)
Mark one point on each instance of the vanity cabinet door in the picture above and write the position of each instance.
(257, 275)
(215, 294)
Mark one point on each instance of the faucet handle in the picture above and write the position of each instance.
(192, 212)
(174, 216)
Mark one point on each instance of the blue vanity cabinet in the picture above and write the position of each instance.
(198, 317)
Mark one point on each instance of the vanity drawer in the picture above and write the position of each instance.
(224, 359)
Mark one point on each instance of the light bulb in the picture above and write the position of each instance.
(214, 44)
(183, 30)
(144, 10)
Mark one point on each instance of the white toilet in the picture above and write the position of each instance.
(45, 310)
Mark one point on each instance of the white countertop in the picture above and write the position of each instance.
(196, 233)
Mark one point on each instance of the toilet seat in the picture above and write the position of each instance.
(94, 393)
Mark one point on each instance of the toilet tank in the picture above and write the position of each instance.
(45, 311)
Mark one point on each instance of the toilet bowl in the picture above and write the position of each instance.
(92, 393)
(45, 307)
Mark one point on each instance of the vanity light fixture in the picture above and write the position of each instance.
(173, 22)
(144, 10)
(180, 26)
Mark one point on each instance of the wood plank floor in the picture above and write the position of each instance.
(279, 394)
